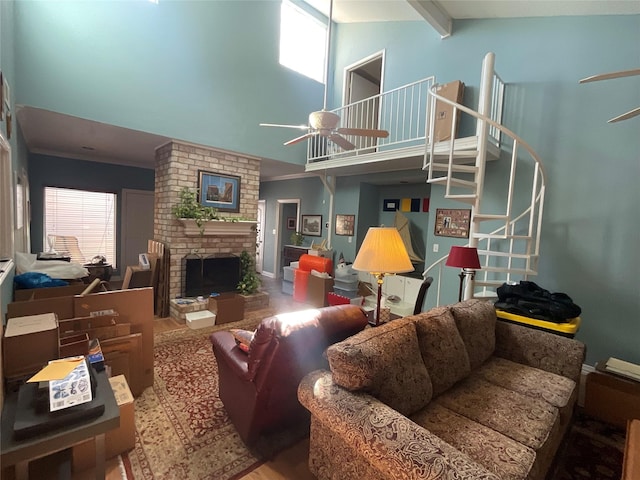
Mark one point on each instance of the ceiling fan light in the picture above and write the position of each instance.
(323, 120)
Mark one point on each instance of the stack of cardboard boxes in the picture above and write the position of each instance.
(45, 324)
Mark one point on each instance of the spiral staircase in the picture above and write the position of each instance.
(502, 180)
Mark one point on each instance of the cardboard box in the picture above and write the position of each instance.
(228, 307)
(134, 306)
(29, 343)
(117, 441)
(612, 398)
(317, 289)
(27, 294)
(61, 306)
(444, 112)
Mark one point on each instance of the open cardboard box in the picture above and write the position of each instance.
(132, 352)
(116, 441)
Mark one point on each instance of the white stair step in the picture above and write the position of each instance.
(458, 155)
(456, 182)
(463, 198)
(486, 216)
(444, 167)
(488, 283)
(492, 253)
(512, 271)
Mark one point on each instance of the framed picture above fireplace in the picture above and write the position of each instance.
(219, 191)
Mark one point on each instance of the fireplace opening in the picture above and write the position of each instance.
(204, 276)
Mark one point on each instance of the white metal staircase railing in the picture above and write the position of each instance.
(403, 112)
(508, 244)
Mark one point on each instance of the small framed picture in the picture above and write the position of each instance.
(391, 204)
(312, 225)
(219, 191)
(291, 223)
(345, 224)
(452, 222)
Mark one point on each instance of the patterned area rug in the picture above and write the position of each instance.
(182, 429)
(593, 450)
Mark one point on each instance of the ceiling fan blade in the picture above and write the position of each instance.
(625, 116)
(608, 76)
(301, 138)
(365, 132)
(299, 127)
(341, 141)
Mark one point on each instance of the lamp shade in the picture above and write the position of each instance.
(463, 257)
(383, 251)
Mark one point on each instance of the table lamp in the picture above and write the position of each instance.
(382, 252)
(465, 258)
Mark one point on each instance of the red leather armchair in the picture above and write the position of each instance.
(259, 389)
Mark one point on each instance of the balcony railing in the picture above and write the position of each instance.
(403, 112)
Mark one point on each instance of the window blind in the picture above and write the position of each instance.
(88, 216)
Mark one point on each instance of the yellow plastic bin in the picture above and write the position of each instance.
(567, 329)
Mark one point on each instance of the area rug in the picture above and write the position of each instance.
(593, 450)
(182, 429)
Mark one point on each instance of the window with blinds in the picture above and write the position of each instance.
(89, 217)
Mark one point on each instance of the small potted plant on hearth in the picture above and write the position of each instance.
(249, 280)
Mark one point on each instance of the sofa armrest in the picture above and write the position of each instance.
(226, 352)
(385, 440)
(544, 350)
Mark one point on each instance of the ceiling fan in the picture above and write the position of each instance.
(608, 76)
(325, 123)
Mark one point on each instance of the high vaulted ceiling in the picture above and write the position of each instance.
(53, 133)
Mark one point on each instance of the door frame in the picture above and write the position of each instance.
(278, 242)
(262, 206)
(349, 69)
(123, 227)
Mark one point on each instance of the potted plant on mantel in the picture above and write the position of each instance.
(197, 217)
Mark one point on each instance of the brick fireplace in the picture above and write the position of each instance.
(177, 166)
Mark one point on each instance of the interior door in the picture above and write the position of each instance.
(136, 226)
(260, 236)
(363, 80)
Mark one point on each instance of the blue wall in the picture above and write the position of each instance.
(207, 72)
(204, 72)
(593, 167)
(47, 171)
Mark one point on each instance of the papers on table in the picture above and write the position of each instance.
(626, 369)
(69, 382)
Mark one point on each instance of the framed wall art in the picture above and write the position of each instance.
(312, 225)
(452, 222)
(345, 224)
(219, 191)
(291, 223)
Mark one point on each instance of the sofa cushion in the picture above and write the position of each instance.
(533, 382)
(525, 419)
(476, 321)
(498, 453)
(442, 348)
(385, 362)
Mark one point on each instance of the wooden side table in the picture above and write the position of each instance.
(631, 465)
(21, 452)
(612, 398)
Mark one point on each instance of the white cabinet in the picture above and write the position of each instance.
(405, 288)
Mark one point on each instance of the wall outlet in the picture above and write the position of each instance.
(436, 247)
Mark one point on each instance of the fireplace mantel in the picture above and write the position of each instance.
(218, 227)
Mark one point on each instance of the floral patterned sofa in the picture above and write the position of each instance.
(451, 393)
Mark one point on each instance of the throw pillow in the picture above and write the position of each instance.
(385, 362)
(243, 338)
